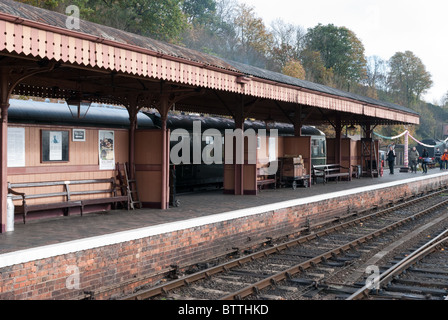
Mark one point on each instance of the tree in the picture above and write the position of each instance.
(163, 19)
(408, 78)
(341, 51)
(199, 11)
(315, 69)
(253, 39)
(445, 100)
(376, 73)
(287, 44)
(215, 34)
(294, 69)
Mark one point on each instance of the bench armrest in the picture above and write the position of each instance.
(16, 193)
(21, 194)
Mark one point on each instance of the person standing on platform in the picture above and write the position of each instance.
(413, 159)
(444, 160)
(390, 156)
(438, 157)
(425, 157)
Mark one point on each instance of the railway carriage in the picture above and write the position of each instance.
(188, 176)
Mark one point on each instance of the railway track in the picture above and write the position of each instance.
(297, 269)
(422, 274)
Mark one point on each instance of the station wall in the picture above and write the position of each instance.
(82, 163)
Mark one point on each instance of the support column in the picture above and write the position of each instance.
(338, 142)
(4, 105)
(298, 122)
(239, 168)
(133, 126)
(164, 109)
(368, 131)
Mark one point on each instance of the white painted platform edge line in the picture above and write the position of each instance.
(43, 252)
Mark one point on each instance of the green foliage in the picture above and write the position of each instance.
(444, 101)
(325, 54)
(294, 68)
(340, 50)
(162, 19)
(315, 69)
(199, 11)
(408, 78)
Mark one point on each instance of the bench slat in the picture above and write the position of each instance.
(53, 205)
(77, 193)
(36, 184)
(329, 171)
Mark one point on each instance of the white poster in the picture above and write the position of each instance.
(55, 146)
(106, 150)
(16, 147)
(272, 149)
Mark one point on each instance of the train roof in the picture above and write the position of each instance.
(50, 113)
(185, 121)
(38, 112)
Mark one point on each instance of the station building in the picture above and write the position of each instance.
(40, 57)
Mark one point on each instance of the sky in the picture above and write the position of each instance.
(383, 26)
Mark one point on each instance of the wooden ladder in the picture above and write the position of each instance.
(129, 184)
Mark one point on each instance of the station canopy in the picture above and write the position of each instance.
(103, 64)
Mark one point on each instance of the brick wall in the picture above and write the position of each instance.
(137, 262)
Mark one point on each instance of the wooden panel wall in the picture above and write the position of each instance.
(331, 150)
(346, 153)
(249, 172)
(355, 153)
(83, 162)
(148, 165)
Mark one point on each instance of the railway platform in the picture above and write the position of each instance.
(42, 232)
(134, 246)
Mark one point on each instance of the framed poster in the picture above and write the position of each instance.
(106, 150)
(55, 145)
(16, 147)
(78, 135)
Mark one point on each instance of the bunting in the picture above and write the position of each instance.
(409, 135)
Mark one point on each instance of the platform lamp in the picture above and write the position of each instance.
(78, 106)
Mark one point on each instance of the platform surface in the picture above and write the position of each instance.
(50, 231)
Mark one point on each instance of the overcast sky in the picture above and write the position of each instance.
(384, 27)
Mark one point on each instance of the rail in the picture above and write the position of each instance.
(164, 288)
(400, 266)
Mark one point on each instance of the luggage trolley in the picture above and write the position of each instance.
(292, 173)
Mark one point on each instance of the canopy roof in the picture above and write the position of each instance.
(110, 65)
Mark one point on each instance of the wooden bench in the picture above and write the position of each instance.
(266, 179)
(66, 194)
(327, 171)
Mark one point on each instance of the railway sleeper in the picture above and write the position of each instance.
(433, 271)
(338, 289)
(302, 282)
(416, 289)
(343, 259)
(429, 275)
(249, 273)
(312, 293)
(335, 263)
(401, 296)
(421, 283)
